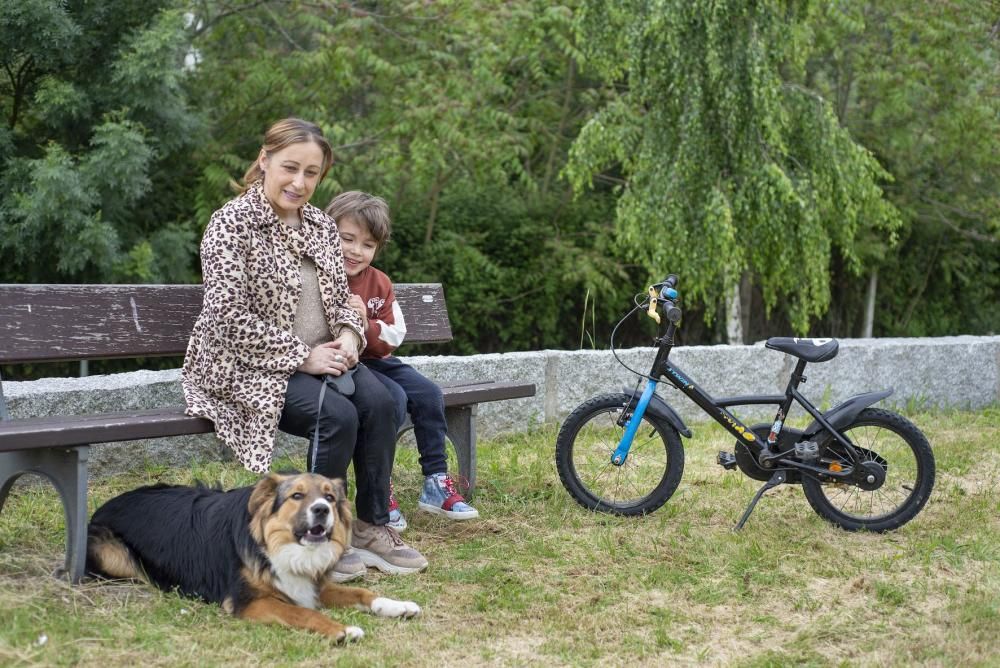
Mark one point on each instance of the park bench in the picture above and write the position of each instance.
(41, 323)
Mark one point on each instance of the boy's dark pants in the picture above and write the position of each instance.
(361, 427)
(421, 398)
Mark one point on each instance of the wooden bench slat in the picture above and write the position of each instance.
(70, 322)
(57, 322)
(482, 392)
(425, 312)
(68, 430)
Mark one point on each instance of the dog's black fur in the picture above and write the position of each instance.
(215, 526)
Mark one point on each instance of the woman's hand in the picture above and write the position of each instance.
(346, 346)
(330, 358)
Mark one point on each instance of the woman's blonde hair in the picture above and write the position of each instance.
(282, 134)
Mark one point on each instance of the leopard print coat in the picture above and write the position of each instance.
(242, 351)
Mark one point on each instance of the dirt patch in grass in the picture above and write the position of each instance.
(981, 478)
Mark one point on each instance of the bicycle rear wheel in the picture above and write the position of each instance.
(642, 484)
(901, 463)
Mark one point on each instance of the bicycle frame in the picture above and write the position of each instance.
(716, 409)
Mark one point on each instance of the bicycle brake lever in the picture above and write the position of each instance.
(651, 311)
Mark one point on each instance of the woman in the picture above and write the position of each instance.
(275, 325)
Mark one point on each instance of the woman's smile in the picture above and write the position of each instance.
(291, 176)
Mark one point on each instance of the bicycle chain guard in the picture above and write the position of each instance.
(747, 462)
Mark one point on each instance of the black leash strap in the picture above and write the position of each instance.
(319, 415)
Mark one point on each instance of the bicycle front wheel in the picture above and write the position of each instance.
(902, 467)
(643, 483)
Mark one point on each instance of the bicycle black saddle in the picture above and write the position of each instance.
(810, 350)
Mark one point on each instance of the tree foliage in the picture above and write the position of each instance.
(729, 163)
(543, 160)
(917, 83)
(460, 114)
(96, 123)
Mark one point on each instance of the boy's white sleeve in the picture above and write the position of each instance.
(394, 333)
(386, 326)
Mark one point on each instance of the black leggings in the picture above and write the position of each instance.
(361, 427)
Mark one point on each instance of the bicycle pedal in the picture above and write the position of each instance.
(726, 460)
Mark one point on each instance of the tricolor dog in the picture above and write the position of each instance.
(263, 552)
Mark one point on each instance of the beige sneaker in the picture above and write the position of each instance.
(348, 567)
(381, 547)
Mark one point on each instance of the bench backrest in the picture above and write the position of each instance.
(77, 322)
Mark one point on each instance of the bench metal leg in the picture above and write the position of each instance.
(462, 434)
(66, 469)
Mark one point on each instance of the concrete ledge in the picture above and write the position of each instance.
(949, 372)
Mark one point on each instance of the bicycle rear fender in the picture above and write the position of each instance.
(843, 414)
(659, 408)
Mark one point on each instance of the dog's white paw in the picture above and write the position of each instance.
(388, 607)
(351, 634)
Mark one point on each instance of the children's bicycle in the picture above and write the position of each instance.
(859, 467)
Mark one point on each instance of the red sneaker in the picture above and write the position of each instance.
(396, 519)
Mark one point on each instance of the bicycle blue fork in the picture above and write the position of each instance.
(621, 452)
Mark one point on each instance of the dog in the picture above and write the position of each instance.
(264, 552)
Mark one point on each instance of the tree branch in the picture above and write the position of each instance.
(923, 286)
(207, 23)
(961, 231)
(613, 180)
(563, 121)
(19, 86)
(284, 33)
(802, 89)
(950, 207)
(514, 299)
(361, 142)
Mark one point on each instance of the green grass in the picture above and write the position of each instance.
(540, 581)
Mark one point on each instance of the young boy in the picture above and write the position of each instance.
(364, 225)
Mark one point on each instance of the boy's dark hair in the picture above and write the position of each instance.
(368, 210)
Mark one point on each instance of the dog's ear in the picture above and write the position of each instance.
(263, 493)
(340, 499)
(339, 489)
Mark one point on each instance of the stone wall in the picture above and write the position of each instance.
(949, 372)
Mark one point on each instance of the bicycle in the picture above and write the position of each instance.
(861, 468)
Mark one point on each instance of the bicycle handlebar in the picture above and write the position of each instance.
(666, 296)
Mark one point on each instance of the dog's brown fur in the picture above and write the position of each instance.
(270, 540)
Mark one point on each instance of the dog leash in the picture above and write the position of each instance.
(344, 383)
(319, 416)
